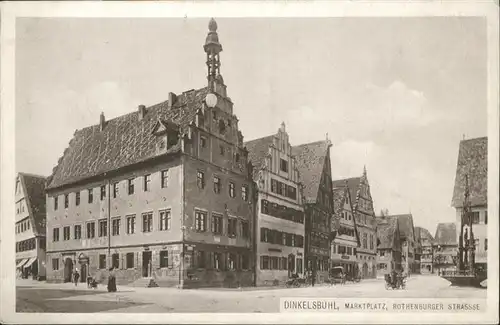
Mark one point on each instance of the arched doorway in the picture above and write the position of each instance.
(68, 269)
(365, 270)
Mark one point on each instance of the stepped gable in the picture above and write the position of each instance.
(310, 159)
(386, 229)
(257, 151)
(34, 190)
(123, 141)
(472, 161)
(446, 234)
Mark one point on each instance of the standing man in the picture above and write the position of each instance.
(76, 276)
(313, 276)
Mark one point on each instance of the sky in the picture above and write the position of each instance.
(394, 94)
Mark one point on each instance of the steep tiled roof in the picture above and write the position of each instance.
(473, 161)
(339, 195)
(352, 184)
(257, 150)
(405, 222)
(422, 233)
(34, 190)
(124, 140)
(310, 158)
(386, 230)
(446, 234)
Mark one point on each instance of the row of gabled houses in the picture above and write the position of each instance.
(173, 194)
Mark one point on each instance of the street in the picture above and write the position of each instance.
(32, 296)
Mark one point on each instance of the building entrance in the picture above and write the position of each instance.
(146, 264)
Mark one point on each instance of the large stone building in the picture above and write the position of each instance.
(359, 189)
(346, 240)
(388, 245)
(473, 162)
(313, 162)
(280, 215)
(446, 247)
(161, 194)
(408, 243)
(30, 226)
(427, 245)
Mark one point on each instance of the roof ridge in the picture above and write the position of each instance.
(310, 143)
(32, 175)
(257, 139)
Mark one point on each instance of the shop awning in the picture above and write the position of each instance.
(30, 261)
(21, 262)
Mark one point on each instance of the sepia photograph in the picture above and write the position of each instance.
(211, 162)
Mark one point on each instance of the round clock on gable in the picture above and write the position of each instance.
(211, 100)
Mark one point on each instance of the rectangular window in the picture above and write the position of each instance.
(102, 261)
(131, 186)
(131, 224)
(163, 258)
(55, 264)
(264, 263)
(264, 206)
(200, 179)
(147, 180)
(164, 178)
(55, 234)
(78, 231)
(103, 228)
(200, 259)
(115, 226)
(147, 222)
(200, 221)
(486, 244)
(475, 217)
(91, 195)
(115, 260)
(232, 192)
(231, 227)
(77, 198)
(222, 150)
(217, 184)
(485, 217)
(165, 220)
(292, 192)
(56, 202)
(217, 261)
(66, 233)
(91, 229)
(103, 192)
(245, 229)
(244, 193)
(231, 261)
(216, 224)
(130, 260)
(66, 201)
(203, 142)
(115, 190)
(284, 165)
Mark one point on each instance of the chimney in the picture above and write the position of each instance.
(142, 112)
(102, 121)
(171, 99)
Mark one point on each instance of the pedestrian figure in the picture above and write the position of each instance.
(76, 276)
(111, 281)
(89, 281)
(313, 279)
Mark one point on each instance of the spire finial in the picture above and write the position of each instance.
(463, 136)
(212, 25)
(364, 170)
(283, 128)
